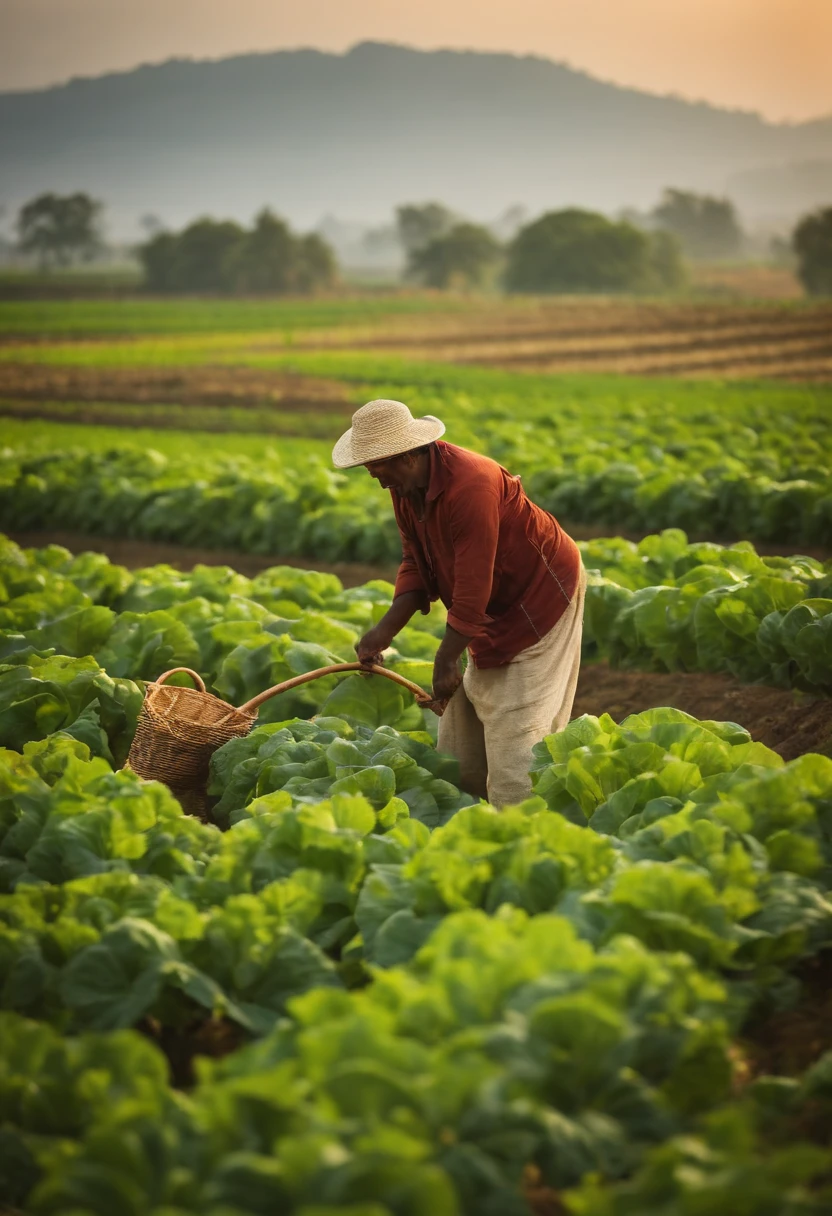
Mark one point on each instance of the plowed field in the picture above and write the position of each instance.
(638, 338)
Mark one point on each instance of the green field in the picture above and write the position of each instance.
(722, 461)
(350, 989)
(415, 1005)
(39, 436)
(50, 318)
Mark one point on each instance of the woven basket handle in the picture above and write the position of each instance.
(421, 696)
(197, 679)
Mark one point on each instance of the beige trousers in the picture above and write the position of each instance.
(497, 715)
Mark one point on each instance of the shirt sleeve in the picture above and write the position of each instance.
(408, 577)
(475, 531)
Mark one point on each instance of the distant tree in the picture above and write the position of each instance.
(58, 228)
(707, 227)
(666, 265)
(261, 260)
(151, 224)
(221, 256)
(5, 244)
(576, 250)
(157, 257)
(781, 252)
(315, 264)
(202, 254)
(382, 239)
(507, 225)
(419, 224)
(639, 219)
(462, 257)
(812, 242)
(271, 259)
(381, 248)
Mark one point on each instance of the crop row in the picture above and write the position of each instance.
(668, 605)
(441, 1008)
(546, 994)
(661, 604)
(717, 462)
(256, 506)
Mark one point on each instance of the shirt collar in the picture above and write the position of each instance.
(438, 472)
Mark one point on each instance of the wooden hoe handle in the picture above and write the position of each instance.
(423, 698)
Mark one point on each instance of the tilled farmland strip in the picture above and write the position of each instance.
(571, 321)
(511, 353)
(208, 385)
(739, 360)
(208, 419)
(810, 353)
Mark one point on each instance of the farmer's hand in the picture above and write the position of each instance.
(370, 648)
(447, 677)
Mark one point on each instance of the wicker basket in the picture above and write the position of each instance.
(179, 729)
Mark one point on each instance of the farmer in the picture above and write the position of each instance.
(510, 577)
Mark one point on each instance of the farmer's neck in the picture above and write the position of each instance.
(415, 479)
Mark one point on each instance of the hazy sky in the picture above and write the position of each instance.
(774, 56)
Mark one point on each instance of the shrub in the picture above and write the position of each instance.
(221, 256)
(576, 250)
(464, 256)
(812, 242)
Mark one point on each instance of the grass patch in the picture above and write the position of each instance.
(64, 318)
(40, 435)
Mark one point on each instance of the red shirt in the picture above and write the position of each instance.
(502, 566)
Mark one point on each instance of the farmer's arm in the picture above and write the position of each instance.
(410, 597)
(475, 530)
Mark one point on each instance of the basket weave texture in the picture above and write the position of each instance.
(178, 731)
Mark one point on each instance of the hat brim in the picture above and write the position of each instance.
(346, 455)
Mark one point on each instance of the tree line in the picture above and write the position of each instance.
(222, 256)
(568, 250)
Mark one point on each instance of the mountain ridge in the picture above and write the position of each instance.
(310, 132)
(564, 65)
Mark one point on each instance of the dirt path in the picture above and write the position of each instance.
(205, 385)
(788, 722)
(137, 553)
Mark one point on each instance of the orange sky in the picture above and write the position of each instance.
(771, 55)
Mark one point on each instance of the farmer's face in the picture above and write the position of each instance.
(399, 473)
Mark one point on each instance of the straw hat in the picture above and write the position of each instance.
(383, 428)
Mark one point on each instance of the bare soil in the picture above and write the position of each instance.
(645, 338)
(135, 554)
(790, 723)
(211, 1037)
(788, 1042)
(204, 385)
(774, 339)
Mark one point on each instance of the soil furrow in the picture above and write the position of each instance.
(209, 385)
(638, 349)
(278, 424)
(641, 321)
(637, 363)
